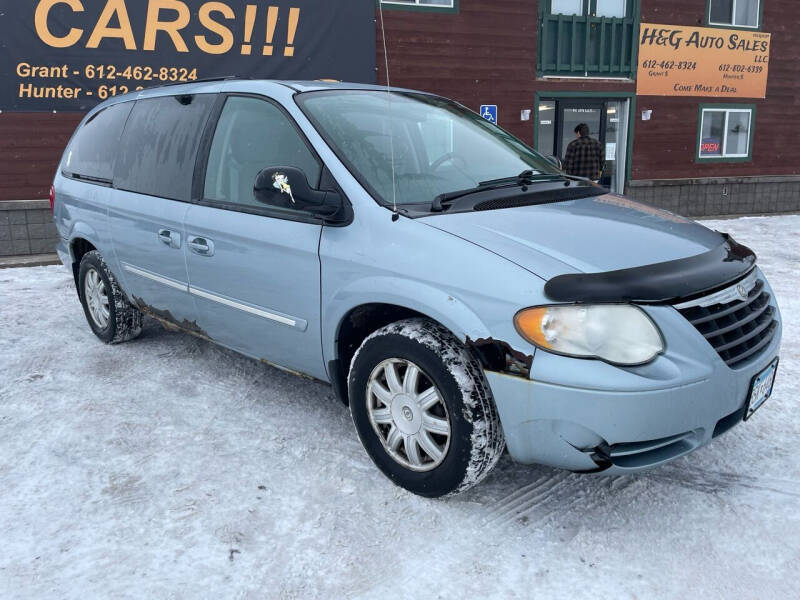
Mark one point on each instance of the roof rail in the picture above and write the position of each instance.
(204, 80)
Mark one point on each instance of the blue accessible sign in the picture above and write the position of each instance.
(489, 112)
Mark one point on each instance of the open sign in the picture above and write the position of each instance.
(710, 147)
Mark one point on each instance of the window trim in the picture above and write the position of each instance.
(757, 27)
(727, 108)
(393, 5)
(204, 153)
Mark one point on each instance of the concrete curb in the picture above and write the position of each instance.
(34, 260)
(6, 205)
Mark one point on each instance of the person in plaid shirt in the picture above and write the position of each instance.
(585, 156)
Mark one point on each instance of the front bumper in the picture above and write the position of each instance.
(585, 415)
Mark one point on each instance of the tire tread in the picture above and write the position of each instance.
(488, 441)
(127, 318)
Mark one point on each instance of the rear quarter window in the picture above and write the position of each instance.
(158, 151)
(93, 149)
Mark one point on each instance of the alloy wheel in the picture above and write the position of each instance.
(408, 413)
(94, 290)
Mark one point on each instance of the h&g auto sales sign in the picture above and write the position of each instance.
(702, 61)
(72, 54)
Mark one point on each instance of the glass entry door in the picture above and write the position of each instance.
(607, 121)
(571, 114)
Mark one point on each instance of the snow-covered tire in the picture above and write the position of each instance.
(475, 440)
(124, 320)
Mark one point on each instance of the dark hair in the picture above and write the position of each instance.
(583, 129)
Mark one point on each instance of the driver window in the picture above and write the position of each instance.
(252, 135)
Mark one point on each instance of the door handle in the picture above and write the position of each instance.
(170, 238)
(202, 246)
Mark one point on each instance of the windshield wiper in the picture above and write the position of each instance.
(89, 178)
(522, 178)
(444, 201)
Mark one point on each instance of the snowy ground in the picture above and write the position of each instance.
(169, 468)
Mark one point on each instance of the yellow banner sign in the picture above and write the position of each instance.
(702, 61)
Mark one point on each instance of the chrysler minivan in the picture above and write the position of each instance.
(460, 293)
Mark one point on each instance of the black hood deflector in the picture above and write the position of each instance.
(665, 282)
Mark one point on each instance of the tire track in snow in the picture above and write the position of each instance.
(558, 496)
(125, 489)
(508, 508)
(552, 496)
(714, 482)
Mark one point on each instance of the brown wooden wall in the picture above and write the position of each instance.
(486, 54)
(30, 148)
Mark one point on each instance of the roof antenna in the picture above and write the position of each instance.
(395, 214)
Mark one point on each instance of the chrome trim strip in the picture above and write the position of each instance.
(285, 320)
(729, 294)
(152, 276)
(244, 307)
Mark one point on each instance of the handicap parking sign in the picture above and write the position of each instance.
(489, 112)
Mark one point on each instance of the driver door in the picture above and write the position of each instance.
(255, 272)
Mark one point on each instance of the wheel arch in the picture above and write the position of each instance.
(360, 310)
(78, 247)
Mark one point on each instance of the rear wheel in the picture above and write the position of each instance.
(423, 409)
(112, 318)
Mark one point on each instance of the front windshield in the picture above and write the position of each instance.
(438, 146)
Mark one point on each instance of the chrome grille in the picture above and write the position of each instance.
(738, 321)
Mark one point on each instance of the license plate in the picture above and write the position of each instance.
(761, 389)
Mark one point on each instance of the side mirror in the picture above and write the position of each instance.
(287, 187)
(556, 161)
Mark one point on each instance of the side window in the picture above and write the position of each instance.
(252, 135)
(91, 153)
(158, 150)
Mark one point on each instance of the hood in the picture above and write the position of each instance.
(589, 235)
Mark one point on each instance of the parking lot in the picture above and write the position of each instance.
(169, 467)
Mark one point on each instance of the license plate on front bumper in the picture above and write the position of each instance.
(761, 389)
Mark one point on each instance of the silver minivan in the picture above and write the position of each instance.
(459, 292)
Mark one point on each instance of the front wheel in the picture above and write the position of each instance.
(423, 409)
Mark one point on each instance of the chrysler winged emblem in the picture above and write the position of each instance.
(281, 183)
(742, 291)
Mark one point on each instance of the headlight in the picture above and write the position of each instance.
(617, 333)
